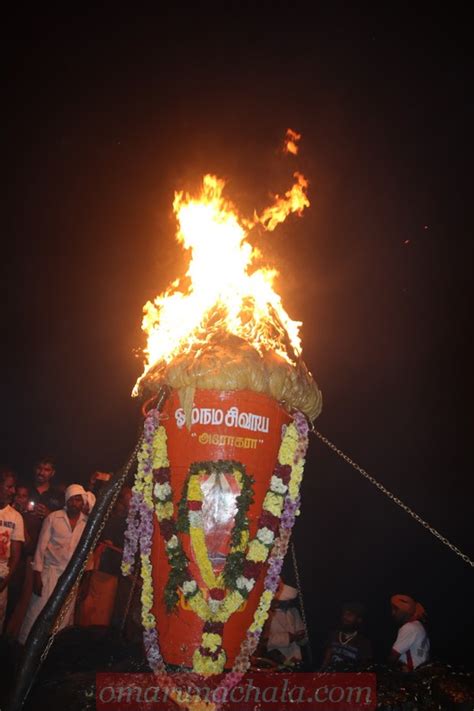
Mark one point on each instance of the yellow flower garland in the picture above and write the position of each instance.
(148, 618)
(160, 449)
(144, 486)
(257, 552)
(206, 666)
(198, 538)
(273, 503)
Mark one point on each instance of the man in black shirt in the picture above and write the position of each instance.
(44, 498)
(347, 648)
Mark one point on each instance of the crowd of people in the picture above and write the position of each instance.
(41, 524)
(285, 637)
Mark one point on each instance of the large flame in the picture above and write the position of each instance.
(224, 293)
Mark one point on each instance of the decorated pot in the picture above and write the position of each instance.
(215, 497)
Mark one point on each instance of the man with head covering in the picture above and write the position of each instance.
(412, 646)
(59, 536)
(347, 647)
(89, 502)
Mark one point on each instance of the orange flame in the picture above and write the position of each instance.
(224, 295)
(295, 200)
(291, 142)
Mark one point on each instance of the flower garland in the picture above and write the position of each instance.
(139, 535)
(190, 520)
(293, 452)
(281, 505)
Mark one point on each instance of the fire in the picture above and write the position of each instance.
(224, 293)
(295, 200)
(291, 142)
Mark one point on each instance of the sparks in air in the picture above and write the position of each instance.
(224, 292)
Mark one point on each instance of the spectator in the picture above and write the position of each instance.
(57, 542)
(98, 594)
(347, 647)
(285, 631)
(412, 646)
(89, 502)
(11, 538)
(97, 481)
(20, 504)
(21, 498)
(44, 495)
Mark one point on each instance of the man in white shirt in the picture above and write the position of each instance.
(412, 646)
(11, 537)
(60, 534)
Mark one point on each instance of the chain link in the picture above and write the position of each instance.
(131, 593)
(395, 499)
(300, 597)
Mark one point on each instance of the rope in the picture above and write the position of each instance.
(396, 500)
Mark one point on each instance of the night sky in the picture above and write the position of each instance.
(108, 114)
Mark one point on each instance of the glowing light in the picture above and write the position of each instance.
(291, 142)
(224, 293)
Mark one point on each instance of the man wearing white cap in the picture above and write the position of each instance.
(60, 534)
(286, 631)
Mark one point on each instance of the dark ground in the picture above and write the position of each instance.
(68, 677)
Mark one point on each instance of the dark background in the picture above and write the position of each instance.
(107, 114)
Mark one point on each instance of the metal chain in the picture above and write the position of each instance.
(300, 597)
(63, 611)
(129, 601)
(67, 603)
(395, 499)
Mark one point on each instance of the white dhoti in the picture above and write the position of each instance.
(284, 623)
(49, 576)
